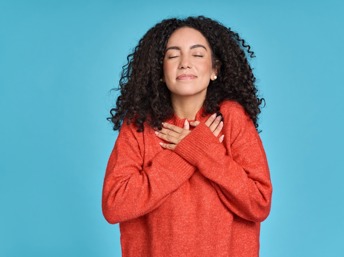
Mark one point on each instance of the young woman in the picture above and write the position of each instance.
(188, 175)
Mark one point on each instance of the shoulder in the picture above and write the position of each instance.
(129, 130)
(132, 140)
(237, 123)
(233, 109)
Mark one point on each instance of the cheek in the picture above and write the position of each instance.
(207, 67)
(167, 69)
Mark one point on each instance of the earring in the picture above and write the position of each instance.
(215, 77)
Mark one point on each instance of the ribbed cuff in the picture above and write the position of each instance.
(176, 168)
(199, 143)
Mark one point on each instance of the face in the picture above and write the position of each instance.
(188, 66)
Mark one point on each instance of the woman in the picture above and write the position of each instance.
(188, 175)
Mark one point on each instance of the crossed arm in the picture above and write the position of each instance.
(239, 172)
(241, 177)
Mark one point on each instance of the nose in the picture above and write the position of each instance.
(184, 62)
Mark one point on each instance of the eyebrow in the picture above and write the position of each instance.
(191, 47)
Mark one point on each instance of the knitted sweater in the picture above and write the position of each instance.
(205, 198)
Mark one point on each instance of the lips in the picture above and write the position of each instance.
(186, 77)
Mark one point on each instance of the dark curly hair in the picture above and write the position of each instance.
(145, 98)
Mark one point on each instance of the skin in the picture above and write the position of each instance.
(188, 68)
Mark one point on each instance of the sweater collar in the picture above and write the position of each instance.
(200, 116)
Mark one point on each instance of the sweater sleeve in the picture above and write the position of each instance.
(132, 189)
(237, 168)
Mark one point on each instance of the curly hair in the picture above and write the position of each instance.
(144, 97)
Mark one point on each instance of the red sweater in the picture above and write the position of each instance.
(205, 198)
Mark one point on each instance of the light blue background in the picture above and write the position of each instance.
(58, 62)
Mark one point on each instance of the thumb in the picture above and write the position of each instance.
(186, 124)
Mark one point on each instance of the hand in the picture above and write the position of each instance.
(215, 124)
(173, 134)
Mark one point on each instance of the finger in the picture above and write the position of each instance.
(194, 123)
(172, 127)
(186, 125)
(221, 138)
(168, 132)
(168, 146)
(167, 137)
(215, 123)
(218, 129)
(210, 120)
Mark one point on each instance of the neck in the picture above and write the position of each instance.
(187, 107)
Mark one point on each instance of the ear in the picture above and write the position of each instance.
(213, 76)
(216, 68)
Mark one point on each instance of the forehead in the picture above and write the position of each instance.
(187, 37)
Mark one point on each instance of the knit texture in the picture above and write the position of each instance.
(205, 198)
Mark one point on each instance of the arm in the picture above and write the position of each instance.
(131, 190)
(237, 168)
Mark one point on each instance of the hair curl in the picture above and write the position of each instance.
(145, 98)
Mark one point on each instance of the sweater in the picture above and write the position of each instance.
(204, 198)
